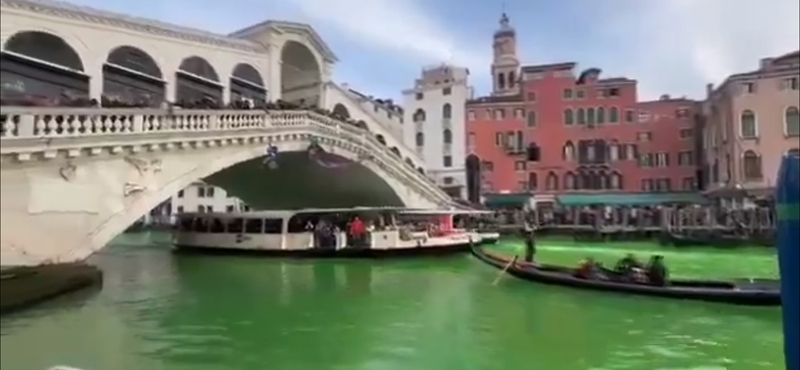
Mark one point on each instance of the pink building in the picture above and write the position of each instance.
(748, 123)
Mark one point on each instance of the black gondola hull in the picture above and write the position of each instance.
(756, 293)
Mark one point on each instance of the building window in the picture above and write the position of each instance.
(551, 183)
(646, 160)
(447, 111)
(201, 191)
(487, 166)
(590, 117)
(663, 185)
(519, 113)
(501, 81)
(749, 87)
(615, 181)
(613, 115)
(613, 152)
(447, 180)
(590, 153)
(531, 119)
(229, 209)
(569, 152)
(471, 115)
(686, 133)
(629, 116)
(569, 119)
(498, 139)
(201, 209)
(647, 185)
(210, 209)
(179, 210)
(644, 136)
(644, 117)
(419, 115)
(447, 91)
(686, 159)
(520, 165)
(792, 121)
(581, 116)
(567, 94)
(210, 192)
(601, 115)
(531, 96)
(420, 96)
(471, 140)
(749, 128)
(447, 136)
(520, 144)
(533, 181)
(688, 184)
(569, 181)
(752, 166)
(499, 114)
(420, 139)
(448, 161)
(180, 193)
(789, 83)
(631, 151)
(580, 94)
(662, 159)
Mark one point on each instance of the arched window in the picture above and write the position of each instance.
(613, 115)
(792, 121)
(747, 124)
(603, 180)
(419, 115)
(396, 151)
(569, 118)
(501, 81)
(752, 166)
(380, 139)
(533, 181)
(569, 151)
(447, 135)
(613, 151)
(590, 116)
(531, 119)
(581, 116)
(420, 139)
(569, 181)
(552, 181)
(616, 181)
(447, 111)
(601, 116)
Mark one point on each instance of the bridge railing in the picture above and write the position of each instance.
(25, 123)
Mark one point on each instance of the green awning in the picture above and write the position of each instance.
(506, 200)
(643, 199)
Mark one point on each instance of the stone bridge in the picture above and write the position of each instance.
(72, 178)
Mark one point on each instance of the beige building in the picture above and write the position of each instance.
(750, 121)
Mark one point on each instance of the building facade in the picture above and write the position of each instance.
(435, 109)
(749, 122)
(204, 198)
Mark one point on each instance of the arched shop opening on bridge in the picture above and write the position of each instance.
(132, 77)
(197, 82)
(247, 84)
(301, 75)
(39, 68)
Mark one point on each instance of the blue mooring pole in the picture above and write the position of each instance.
(787, 200)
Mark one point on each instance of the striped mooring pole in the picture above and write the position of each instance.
(787, 200)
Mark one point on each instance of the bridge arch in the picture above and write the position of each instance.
(97, 211)
(301, 74)
(131, 75)
(38, 64)
(247, 83)
(197, 83)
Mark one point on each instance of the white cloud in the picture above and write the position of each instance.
(398, 26)
(679, 45)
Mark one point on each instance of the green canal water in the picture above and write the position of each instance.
(162, 311)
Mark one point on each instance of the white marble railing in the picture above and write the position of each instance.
(21, 124)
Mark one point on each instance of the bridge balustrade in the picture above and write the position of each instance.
(24, 126)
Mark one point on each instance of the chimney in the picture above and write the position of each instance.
(765, 63)
(709, 90)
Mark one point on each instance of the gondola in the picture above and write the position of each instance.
(706, 240)
(741, 292)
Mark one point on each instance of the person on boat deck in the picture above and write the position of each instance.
(530, 246)
(587, 268)
(357, 231)
(627, 264)
(657, 272)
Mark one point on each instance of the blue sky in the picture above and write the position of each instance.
(670, 46)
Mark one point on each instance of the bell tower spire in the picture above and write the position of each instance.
(505, 66)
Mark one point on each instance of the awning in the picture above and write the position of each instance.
(644, 199)
(507, 200)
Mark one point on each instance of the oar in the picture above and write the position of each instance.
(500, 275)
